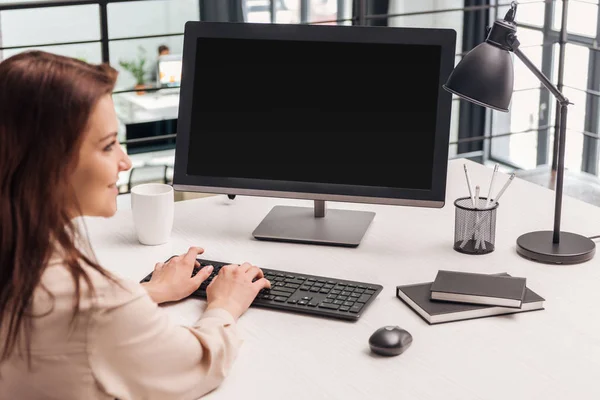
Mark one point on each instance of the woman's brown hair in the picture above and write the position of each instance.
(45, 104)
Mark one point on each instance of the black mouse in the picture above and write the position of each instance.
(390, 341)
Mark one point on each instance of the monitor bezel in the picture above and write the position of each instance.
(435, 197)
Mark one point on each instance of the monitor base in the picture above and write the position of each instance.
(314, 226)
(572, 249)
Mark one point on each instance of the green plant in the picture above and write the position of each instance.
(136, 67)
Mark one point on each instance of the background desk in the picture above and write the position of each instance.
(152, 115)
(549, 354)
(150, 106)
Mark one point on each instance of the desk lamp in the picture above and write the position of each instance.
(485, 77)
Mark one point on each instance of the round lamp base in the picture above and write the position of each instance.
(572, 249)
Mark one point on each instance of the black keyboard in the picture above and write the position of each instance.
(308, 294)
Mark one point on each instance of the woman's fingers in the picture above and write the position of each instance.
(203, 274)
(262, 283)
(255, 272)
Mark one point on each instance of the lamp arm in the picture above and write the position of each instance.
(541, 77)
(562, 135)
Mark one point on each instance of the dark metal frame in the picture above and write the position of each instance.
(545, 100)
(591, 143)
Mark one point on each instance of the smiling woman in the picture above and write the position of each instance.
(47, 136)
(82, 332)
(101, 158)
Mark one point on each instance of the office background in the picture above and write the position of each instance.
(522, 140)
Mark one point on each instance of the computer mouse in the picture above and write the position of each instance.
(390, 341)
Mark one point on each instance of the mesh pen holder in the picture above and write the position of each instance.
(474, 227)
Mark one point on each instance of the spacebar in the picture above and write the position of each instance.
(329, 306)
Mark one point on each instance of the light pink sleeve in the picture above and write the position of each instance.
(137, 352)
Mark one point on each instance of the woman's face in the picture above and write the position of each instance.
(101, 158)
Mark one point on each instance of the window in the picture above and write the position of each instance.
(522, 119)
(298, 11)
(582, 17)
(118, 31)
(31, 27)
(540, 41)
(150, 17)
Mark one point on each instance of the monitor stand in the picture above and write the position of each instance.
(319, 226)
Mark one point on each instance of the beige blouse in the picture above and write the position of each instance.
(121, 346)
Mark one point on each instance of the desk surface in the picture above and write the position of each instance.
(152, 106)
(549, 354)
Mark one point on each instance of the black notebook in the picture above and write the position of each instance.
(418, 297)
(474, 288)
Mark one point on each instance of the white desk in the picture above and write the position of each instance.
(549, 354)
(151, 106)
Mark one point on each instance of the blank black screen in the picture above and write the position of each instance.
(341, 113)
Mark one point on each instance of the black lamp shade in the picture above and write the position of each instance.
(484, 76)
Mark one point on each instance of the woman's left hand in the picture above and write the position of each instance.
(173, 281)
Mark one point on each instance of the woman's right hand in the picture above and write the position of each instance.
(233, 288)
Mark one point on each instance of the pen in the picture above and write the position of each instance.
(477, 189)
(469, 185)
(510, 178)
(488, 201)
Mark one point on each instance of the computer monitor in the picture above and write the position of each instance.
(349, 114)
(169, 70)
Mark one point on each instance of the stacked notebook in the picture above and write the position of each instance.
(455, 296)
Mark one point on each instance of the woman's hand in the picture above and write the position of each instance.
(233, 288)
(172, 281)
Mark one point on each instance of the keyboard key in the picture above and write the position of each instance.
(329, 306)
(286, 289)
(356, 308)
(292, 285)
(278, 293)
(363, 299)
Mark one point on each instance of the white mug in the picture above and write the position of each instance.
(152, 205)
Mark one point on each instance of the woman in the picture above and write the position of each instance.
(68, 328)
